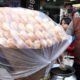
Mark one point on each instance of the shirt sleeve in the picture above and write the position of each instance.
(70, 29)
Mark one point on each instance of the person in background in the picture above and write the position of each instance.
(74, 29)
(65, 22)
(68, 8)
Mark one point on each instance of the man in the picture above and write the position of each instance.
(74, 29)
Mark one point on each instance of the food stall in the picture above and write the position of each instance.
(30, 42)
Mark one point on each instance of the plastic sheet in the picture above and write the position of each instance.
(24, 61)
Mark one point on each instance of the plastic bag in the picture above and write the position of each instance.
(29, 41)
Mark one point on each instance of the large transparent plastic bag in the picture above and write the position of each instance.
(20, 57)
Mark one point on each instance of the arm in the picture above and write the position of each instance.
(70, 29)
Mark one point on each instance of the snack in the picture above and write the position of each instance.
(20, 28)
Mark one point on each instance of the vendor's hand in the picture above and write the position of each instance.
(60, 59)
